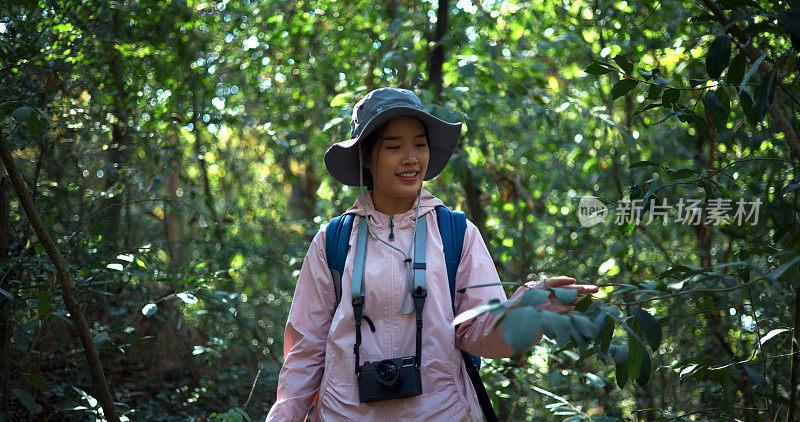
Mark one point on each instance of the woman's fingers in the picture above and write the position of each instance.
(585, 288)
(559, 281)
(569, 283)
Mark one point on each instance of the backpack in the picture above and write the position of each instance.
(452, 226)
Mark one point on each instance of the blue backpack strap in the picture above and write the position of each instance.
(452, 226)
(337, 241)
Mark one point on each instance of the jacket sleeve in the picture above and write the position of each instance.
(305, 337)
(480, 336)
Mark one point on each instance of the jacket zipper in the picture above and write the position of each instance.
(391, 305)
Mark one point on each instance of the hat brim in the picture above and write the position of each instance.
(342, 162)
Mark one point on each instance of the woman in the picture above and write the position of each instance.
(394, 146)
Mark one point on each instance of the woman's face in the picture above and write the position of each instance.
(398, 164)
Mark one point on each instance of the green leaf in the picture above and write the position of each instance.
(664, 118)
(619, 354)
(691, 370)
(693, 82)
(774, 275)
(763, 95)
(22, 340)
(565, 295)
(8, 105)
(645, 370)
(624, 63)
(621, 374)
(341, 99)
(705, 17)
(751, 72)
(718, 57)
(681, 173)
(623, 87)
(35, 380)
(472, 313)
(650, 326)
(648, 107)
(736, 69)
(43, 307)
(699, 123)
(559, 325)
(597, 69)
(644, 163)
(654, 91)
(331, 123)
(754, 376)
(233, 415)
(607, 334)
(659, 80)
(785, 191)
(100, 339)
(584, 303)
(635, 350)
(584, 326)
(722, 95)
(714, 107)
(521, 326)
(670, 96)
(27, 400)
(150, 309)
(772, 334)
(35, 124)
(728, 393)
(747, 108)
(534, 297)
(22, 113)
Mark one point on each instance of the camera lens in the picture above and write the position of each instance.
(388, 374)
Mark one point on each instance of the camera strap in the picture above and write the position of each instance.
(418, 292)
(358, 287)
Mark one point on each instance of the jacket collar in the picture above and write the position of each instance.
(428, 203)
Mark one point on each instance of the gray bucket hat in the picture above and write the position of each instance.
(377, 108)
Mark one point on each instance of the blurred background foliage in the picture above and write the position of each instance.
(174, 151)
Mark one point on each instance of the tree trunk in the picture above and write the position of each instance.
(792, 415)
(6, 307)
(119, 144)
(436, 58)
(67, 285)
(171, 216)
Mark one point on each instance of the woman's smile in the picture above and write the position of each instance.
(408, 176)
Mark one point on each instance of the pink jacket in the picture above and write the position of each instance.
(319, 337)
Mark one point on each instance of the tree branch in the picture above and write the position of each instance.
(67, 285)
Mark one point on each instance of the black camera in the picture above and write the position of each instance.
(389, 379)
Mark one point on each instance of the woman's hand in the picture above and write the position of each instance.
(564, 282)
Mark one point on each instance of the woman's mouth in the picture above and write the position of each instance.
(408, 176)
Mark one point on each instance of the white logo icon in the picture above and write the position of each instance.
(591, 211)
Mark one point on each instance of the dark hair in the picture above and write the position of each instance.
(371, 141)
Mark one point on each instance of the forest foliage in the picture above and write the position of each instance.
(172, 150)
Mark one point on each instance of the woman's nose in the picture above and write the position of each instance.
(410, 156)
